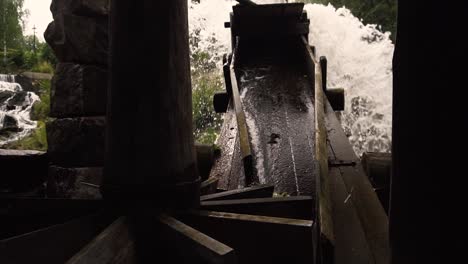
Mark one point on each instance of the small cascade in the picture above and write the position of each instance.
(15, 110)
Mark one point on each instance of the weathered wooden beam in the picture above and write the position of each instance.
(371, 214)
(164, 97)
(259, 191)
(209, 186)
(244, 139)
(258, 239)
(299, 207)
(347, 226)
(378, 167)
(323, 66)
(54, 244)
(324, 210)
(190, 244)
(115, 244)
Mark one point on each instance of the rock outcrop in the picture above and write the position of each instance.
(79, 38)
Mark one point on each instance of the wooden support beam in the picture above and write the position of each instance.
(113, 245)
(378, 167)
(244, 139)
(191, 245)
(371, 214)
(163, 169)
(209, 186)
(298, 207)
(324, 211)
(259, 191)
(258, 239)
(55, 244)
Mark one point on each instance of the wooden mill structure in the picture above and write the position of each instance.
(156, 208)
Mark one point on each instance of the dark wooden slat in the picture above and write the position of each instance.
(268, 10)
(299, 207)
(209, 186)
(378, 168)
(190, 244)
(244, 139)
(23, 215)
(261, 29)
(113, 245)
(258, 239)
(259, 191)
(370, 211)
(324, 200)
(55, 244)
(347, 227)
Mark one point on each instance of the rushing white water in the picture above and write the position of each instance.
(15, 110)
(359, 60)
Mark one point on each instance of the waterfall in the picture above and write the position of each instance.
(359, 60)
(15, 110)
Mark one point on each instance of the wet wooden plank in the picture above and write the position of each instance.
(259, 191)
(371, 214)
(227, 140)
(299, 207)
(324, 210)
(244, 139)
(350, 241)
(258, 239)
(370, 211)
(113, 245)
(191, 244)
(54, 244)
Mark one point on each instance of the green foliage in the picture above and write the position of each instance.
(11, 20)
(380, 12)
(40, 110)
(206, 121)
(36, 141)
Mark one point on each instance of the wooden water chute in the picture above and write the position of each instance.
(350, 224)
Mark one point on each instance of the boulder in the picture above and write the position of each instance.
(9, 125)
(78, 39)
(76, 142)
(26, 83)
(5, 95)
(22, 170)
(78, 90)
(88, 8)
(18, 99)
(74, 183)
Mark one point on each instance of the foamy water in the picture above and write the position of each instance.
(359, 60)
(20, 112)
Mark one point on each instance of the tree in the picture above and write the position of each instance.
(12, 17)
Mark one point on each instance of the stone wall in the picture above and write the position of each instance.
(79, 38)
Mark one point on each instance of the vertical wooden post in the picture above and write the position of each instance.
(149, 146)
